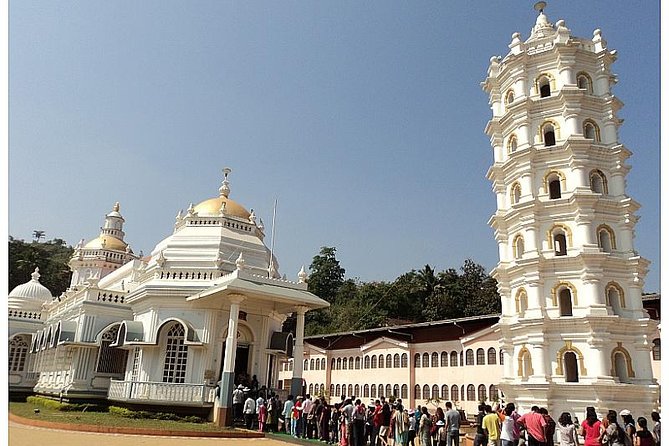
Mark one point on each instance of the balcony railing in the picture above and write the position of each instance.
(159, 392)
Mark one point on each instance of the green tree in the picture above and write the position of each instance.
(479, 290)
(51, 257)
(327, 275)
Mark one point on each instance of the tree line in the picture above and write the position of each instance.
(51, 256)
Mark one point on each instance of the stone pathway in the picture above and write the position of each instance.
(22, 435)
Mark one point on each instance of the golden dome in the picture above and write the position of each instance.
(109, 243)
(213, 207)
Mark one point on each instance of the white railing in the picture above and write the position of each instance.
(142, 391)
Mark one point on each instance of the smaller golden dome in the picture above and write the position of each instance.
(213, 207)
(109, 243)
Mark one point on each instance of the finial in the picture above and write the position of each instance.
(302, 276)
(252, 217)
(240, 262)
(539, 6)
(116, 207)
(161, 259)
(224, 190)
(36, 275)
(191, 211)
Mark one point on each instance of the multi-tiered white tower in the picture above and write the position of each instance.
(574, 332)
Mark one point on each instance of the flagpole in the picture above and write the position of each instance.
(271, 250)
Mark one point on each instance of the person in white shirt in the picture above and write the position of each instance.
(237, 402)
(249, 410)
(307, 407)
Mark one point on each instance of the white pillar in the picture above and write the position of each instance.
(223, 415)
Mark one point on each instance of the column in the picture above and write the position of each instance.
(298, 352)
(539, 361)
(223, 416)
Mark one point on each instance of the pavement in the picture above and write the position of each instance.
(24, 435)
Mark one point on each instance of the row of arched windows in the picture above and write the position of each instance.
(444, 393)
(544, 85)
(445, 359)
(370, 362)
(559, 236)
(549, 133)
(564, 297)
(555, 182)
(314, 364)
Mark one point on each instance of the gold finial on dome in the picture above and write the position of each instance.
(225, 187)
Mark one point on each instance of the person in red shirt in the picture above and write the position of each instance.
(591, 428)
(535, 424)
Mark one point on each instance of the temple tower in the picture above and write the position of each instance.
(574, 332)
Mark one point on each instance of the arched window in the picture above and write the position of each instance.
(570, 367)
(305, 366)
(356, 390)
(435, 392)
(366, 361)
(318, 364)
(482, 392)
(462, 361)
(373, 361)
(396, 391)
(454, 359)
(455, 395)
(501, 357)
(380, 388)
(338, 363)
(350, 362)
(176, 355)
(444, 392)
(598, 182)
(444, 359)
(426, 360)
(416, 360)
(111, 359)
(18, 352)
(518, 246)
(615, 297)
(509, 98)
(544, 86)
(350, 390)
(591, 130)
(381, 362)
(416, 392)
(606, 238)
(620, 367)
(493, 393)
(290, 366)
(396, 361)
(525, 363)
(565, 302)
(338, 390)
(311, 389)
(357, 362)
(462, 391)
(389, 391)
(405, 360)
(512, 144)
(492, 356)
(480, 356)
(312, 364)
(365, 391)
(657, 351)
(584, 82)
(516, 193)
(332, 390)
(560, 235)
(471, 393)
(435, 360)
(332, 364)
(470, 357)
(554, 184)
(323, 363)
(389, 361)
(426, 392)
(404, 391)
(521, 301)
(373, 391)
(344, 363)
(549, 134)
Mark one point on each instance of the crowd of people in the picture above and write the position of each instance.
(350, 422)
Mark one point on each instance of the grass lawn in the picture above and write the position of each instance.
(27, 410)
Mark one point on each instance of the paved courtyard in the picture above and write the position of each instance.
(22, 435)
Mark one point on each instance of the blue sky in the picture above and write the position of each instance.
(364, 119)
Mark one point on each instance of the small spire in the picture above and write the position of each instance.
(240, 262)
(252, 217)
(36, 275)
(302, 276)
(224, 190)
(539, 6)
(116, 207)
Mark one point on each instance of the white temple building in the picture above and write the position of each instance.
(205, 308)
(573, 328)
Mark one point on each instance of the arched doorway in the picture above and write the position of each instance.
(243, 355)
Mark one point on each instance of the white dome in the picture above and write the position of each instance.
(30, 295)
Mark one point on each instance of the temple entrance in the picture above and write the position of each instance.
(242, 365)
